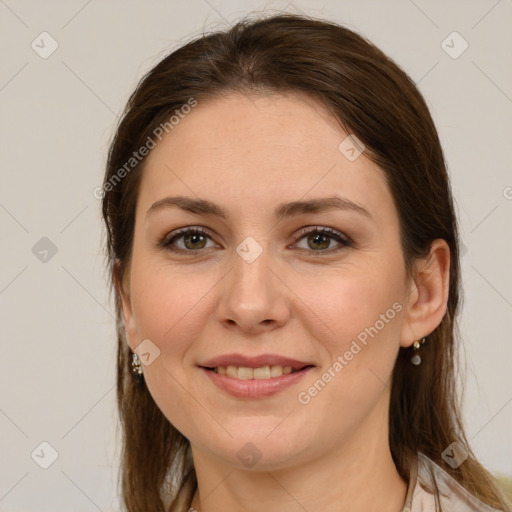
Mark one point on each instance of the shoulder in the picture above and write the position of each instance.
(426, 474)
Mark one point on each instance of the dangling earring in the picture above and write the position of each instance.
(136, 367)
(416, 358)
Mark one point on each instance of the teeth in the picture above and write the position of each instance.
(244, 373)
(261, 373)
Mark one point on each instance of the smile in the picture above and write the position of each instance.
(246, 373)
(253, 383)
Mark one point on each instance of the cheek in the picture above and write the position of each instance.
(355, 301)
(167, 303)
(363, 312)
(168, 307)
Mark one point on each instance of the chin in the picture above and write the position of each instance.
(261, 446)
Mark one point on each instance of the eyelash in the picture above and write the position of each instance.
(345, 242)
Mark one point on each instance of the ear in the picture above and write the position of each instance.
(426, 302)
(122, 288)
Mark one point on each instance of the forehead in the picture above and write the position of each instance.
(259, 150)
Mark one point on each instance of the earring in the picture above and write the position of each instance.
(136, 367)
(416, 358)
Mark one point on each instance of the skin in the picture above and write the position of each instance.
(331, 454)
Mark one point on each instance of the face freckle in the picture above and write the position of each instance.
(249, 155)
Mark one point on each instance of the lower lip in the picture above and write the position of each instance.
(255, 388)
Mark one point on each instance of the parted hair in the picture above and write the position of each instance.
(371, 97)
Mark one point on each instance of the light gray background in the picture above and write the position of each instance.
(58, 113)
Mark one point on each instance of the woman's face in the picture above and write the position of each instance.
(254, 283)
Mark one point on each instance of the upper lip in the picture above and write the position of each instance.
(254, 362)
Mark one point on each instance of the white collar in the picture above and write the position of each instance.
(426, 474)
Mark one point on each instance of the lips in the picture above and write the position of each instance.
(254, 389)
(254, 362)
(285, 372)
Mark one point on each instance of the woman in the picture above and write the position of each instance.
(284, 254)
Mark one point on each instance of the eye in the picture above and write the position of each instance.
(320, 239)
(194, 240)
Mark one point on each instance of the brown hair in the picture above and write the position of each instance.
(371, 97)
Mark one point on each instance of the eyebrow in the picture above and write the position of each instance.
(283, 210)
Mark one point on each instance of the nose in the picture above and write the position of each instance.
(254, 297)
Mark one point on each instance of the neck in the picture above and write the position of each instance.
(358, 476)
